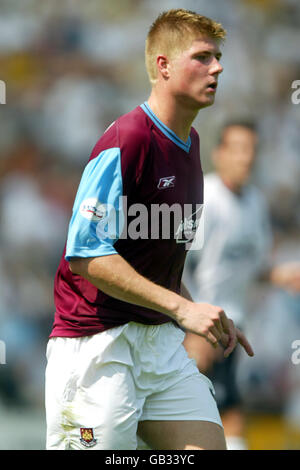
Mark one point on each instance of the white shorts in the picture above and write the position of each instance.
(99, 387)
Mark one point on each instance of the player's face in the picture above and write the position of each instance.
(194, 73)
(237, 153)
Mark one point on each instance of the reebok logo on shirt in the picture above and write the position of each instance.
(166, 182)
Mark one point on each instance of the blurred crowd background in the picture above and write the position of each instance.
(71, 68)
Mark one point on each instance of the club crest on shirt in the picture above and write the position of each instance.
(166, 182)
(92, 209)
(87, 437)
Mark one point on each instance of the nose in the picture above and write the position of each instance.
(216, 67)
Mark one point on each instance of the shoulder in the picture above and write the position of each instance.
(134, 131)
(194, 135)
(130, 133)
(213, 196)
(211, 182)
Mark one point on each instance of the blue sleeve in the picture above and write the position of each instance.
(97, 212)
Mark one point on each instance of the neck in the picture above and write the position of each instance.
(175, 116)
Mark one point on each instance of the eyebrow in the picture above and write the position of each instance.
(218, 55)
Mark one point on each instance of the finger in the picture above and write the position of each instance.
(218, 325)
(212, 339)
(224, 322)
(216, 333)
(232, 340)
(224, 341)
(244, 342)
(228, 335)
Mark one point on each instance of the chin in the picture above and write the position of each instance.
(206, 103)
(242, 182)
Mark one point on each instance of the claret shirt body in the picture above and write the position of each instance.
(140, 196)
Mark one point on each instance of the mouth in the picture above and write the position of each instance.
(212, 87)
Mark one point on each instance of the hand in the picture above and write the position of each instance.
(212, 323)
(240, 338)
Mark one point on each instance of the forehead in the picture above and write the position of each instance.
(238, 134)
(204, 43)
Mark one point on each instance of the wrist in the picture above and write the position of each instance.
(179, 308)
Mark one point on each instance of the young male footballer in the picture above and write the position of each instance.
(117, 369)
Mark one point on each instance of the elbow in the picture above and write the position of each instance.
(81, 266)
(75, 266)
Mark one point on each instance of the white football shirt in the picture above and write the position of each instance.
(237, 244)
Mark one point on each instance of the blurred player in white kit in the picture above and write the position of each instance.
(236, 251)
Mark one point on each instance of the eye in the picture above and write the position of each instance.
(203, 57)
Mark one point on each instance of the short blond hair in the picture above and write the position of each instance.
(172, 32)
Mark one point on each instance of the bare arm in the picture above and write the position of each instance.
(185, 292)
(117, 278)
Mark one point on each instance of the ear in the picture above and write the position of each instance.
(163, 66)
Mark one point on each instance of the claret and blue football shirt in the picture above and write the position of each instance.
(140, 197)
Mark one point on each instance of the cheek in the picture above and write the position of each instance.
(190, 79)
(196, 76)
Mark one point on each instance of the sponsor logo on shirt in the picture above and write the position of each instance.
(188, 226)
(166, 182)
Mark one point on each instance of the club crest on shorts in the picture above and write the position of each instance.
(87, 437)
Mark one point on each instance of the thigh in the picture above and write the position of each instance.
(92, 406)
(183, 414)
(182, 435)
